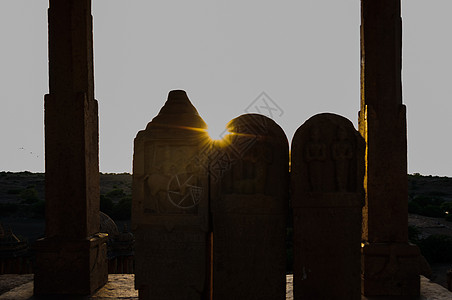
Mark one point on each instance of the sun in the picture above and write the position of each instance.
(216, 133)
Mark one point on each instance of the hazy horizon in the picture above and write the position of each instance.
(305, 57)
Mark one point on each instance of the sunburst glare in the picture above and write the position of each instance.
(216, 133)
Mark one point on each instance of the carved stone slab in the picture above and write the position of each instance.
(170, 208)
(249, 209)
(327, 197)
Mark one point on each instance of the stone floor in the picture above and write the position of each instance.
(121, 287)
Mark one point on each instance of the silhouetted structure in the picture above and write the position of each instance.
(249, 207)
(120, 247)
(391, 266)
(14, 255)
(327, 196)
(71, 259)
(170, 204)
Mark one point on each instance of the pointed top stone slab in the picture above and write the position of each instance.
(178, 111)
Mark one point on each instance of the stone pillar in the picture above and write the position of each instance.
(249, 208)
(71, 259)
(170, 204)
(327, 199)
(390, 264)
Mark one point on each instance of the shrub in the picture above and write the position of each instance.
(434, 211)
(438, 193)
(447, 206)
(38, 209)
(437, 248)
(123, 209)
(414, 207)
(424, 200)
(13, 191)
(29, 196)
(427, 206)
(106, 205)
(449, 217)
(8, 208)
(413, 233)
(116, 194)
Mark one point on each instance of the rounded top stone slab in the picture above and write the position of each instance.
(257, 126)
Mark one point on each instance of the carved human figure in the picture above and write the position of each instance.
(315, 155)
(342, 151)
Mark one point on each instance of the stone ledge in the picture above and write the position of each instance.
(11, 281)
(121, 287)
(429, 291)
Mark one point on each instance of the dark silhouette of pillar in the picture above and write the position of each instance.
(390, 265)
(71, 259)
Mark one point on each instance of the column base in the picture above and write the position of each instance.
(76, 267)
(390, 269)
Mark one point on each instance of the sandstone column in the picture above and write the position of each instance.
(71, 259)
(390, 264)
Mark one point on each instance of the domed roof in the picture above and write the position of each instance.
(107, 225)
(10, 244)
(7, 236)
(178, 112)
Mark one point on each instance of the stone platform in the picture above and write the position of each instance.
(121, 286)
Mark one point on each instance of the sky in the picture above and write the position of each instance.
(298, 58)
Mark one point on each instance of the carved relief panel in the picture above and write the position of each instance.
(325, 151)
(327, 179)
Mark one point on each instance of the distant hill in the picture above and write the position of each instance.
(27, 189)
(430, 186)
(22, 194)
(15, 187)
